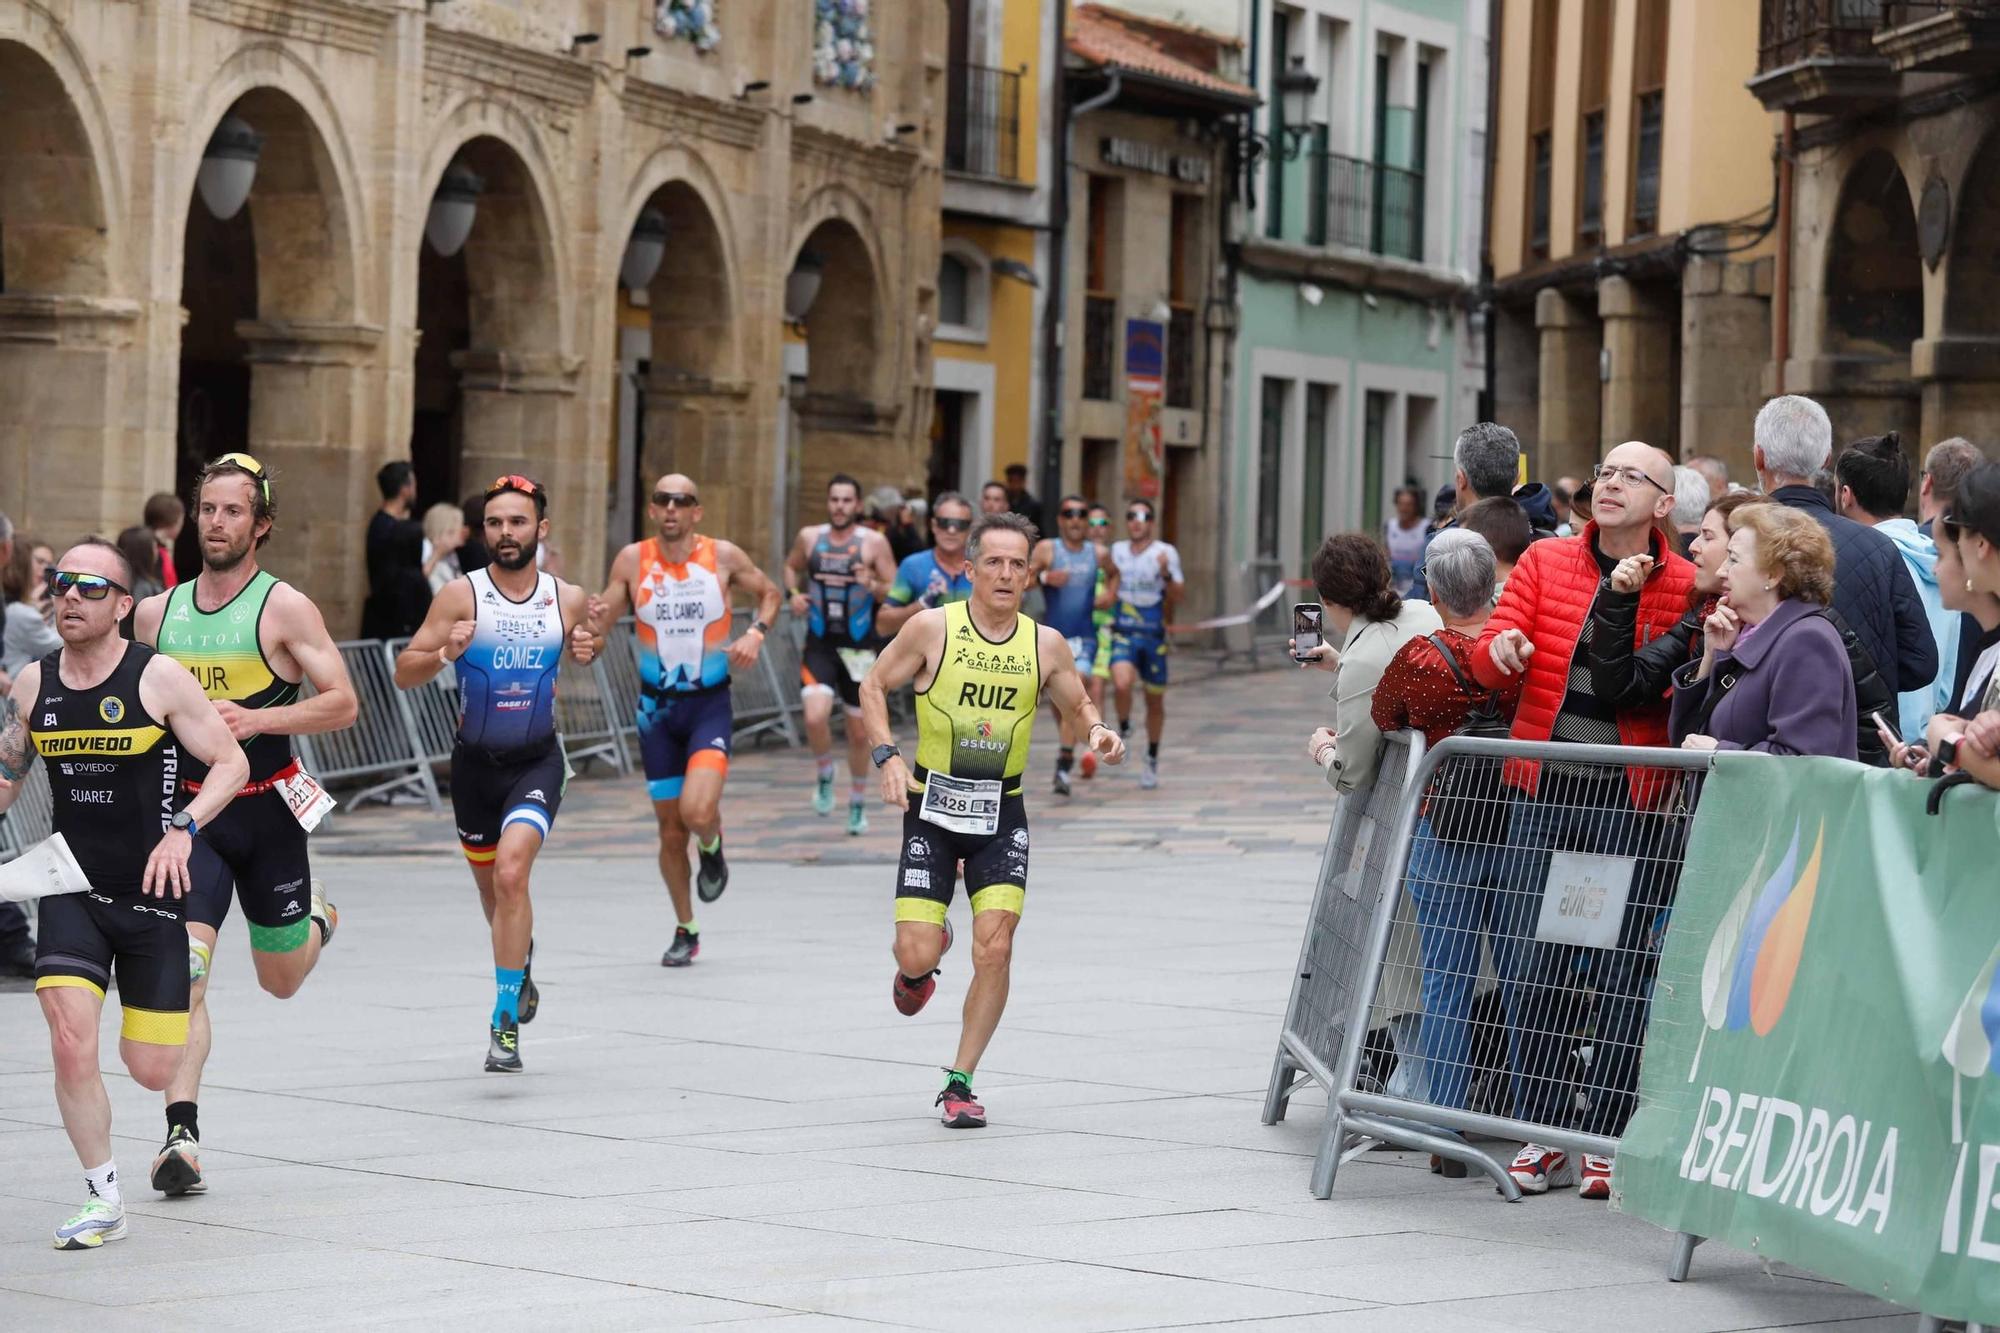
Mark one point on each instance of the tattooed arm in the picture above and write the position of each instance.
(16, 753)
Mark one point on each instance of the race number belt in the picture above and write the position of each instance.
(962, 805)
(271, 783)
(304, 797)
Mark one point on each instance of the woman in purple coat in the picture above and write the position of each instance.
(1773, 674)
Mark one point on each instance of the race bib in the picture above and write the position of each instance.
(962, 805)
(306, 799)
(858, 661)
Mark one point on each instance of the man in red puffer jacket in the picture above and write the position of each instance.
(1542, 628)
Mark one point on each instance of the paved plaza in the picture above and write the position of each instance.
(751, 1140)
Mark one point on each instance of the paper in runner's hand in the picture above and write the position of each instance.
(44, 870)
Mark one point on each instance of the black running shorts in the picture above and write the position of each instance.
(820, 664)
(996, 867)
(256, 848)
(86, 936)
(488, 794)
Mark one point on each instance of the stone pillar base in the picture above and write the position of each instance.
(1572, 400)
(1725, 342)
(1961, 389)
(1639, 392)
(70, 466)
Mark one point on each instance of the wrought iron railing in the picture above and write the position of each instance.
(1371, 206)
(982, 128)
(1100, 347)
(1790, 31)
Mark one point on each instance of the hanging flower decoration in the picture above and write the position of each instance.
(843, 54)
(690, 21)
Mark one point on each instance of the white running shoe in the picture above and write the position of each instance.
(1149, 774)
(90, 1228)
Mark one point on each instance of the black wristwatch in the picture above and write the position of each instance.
(881, 754)
(1947, 750)
(184, 822)
(761, 628)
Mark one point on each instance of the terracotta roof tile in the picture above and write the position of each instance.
(1109, 37)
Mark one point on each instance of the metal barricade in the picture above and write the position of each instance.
(1569, 891)
(383, 742)
(766, 698)
(587, 716)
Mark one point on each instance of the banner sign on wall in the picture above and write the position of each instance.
(1145, 386)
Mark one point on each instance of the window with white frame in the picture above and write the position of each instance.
(964, 285)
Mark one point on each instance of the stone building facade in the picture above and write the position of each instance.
(140, 333)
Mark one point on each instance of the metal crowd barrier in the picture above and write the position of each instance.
(384, 743)
(1567, 893)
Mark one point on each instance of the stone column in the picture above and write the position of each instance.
(838, 434)
(73, 462)
(1960, 378)
(704, 429)
(520, 414)
(1725, 343)
(308, 393)
(1571, 397)
(1640, 399)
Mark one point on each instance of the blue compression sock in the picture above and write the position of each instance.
(508, 1003)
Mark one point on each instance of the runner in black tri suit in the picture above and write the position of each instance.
(249, 640)
(836, 573)
(110, 720)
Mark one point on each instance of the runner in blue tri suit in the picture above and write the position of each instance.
(1077, 577)
(934, 577)
(503, 629)
(834, 574)
(1149, 587)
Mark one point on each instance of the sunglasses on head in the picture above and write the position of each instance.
(90, 587)
(1074, 513)
(953, 524)
(250, 465)
(1949, 528)
(514, 481)
(675, 499)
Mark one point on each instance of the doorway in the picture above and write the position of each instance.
(946, 469)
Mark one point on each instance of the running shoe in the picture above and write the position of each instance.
(1062, 782)
(911, 999)
(1596, 1179)
(714, 876)
(1537, 1170)
(684, 950)
(960, 1110)
(1088, 764)
(96, 1223)
(531, 996)
(503, 1053)
(324, 914)
(177, 1170)
(857, 819)
(1149, 776)
(823, 795)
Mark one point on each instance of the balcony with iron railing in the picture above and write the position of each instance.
(982, 128)
(1819, 56)
(1941, 36)
(1366, 206)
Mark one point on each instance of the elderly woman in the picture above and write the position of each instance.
(1428, 687)
(1773, 674)
(1369, 622)
(1971, 527)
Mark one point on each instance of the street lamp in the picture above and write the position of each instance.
(453, 209)
(802, 285)
(1296, 87)
(228, 167)
(644, 251)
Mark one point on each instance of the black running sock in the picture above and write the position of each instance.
(182, 1115)
(1153, 751)
(914, 982)
(1124, 726)
(1065, 757)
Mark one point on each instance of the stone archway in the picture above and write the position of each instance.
(272, 349)
(493, 382)
(1959, 363)
(61, 329)
(1873, 309)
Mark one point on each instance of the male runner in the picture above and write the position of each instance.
(1149, 588)
(835, 572)
(981, 667)
(505, 627)
(1099, 678)
(934, 577)
(110, 719)
(678, 587)
(1077, 576)
(249, 640)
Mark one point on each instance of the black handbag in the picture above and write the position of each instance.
(1468, 798)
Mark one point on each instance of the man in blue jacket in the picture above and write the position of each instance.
(1872, 589)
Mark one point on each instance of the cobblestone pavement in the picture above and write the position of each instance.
(752, 1140)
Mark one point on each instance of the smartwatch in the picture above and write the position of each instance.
(1947, 749)
(761, 628)
(184, 821)
(881, 754)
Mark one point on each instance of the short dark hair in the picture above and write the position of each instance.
(1077, 498)
(1489, 455)
(17, 577)
(1877, 470)
(1152, 510)
(117, 548)
(163, 509)
(1975, 505)
(1012, 468)
(262, 505)
(1504, 525)
(1006, 521)
(993, 486)
(949, 498)
(392, 477)
(1351, 570)
(842, 479)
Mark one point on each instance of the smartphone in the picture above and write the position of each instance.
(1889, 736)
(1306, 630)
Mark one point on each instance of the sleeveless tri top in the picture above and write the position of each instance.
(843, 611)
(975, 718)
(1068, 609)
(682, 617)
(224, 651)
(112, 770)
(507, 675)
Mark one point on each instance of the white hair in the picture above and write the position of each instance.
(1795, 435)
(1691, 497)
(1459, 571)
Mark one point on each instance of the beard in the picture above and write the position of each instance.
(228, 558)
(509, 556)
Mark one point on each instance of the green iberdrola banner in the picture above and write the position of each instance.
(1822, 1068)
